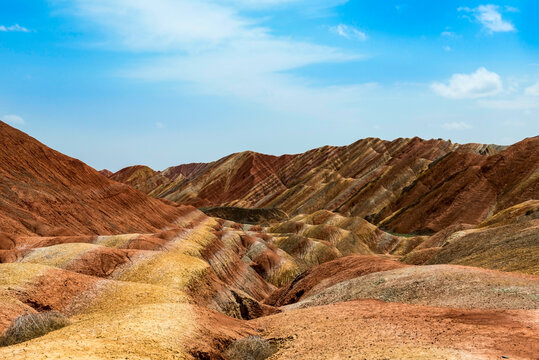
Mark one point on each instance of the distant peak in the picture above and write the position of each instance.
(106, 172)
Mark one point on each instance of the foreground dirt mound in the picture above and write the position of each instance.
(139, 332)
(505, 241)
(508, 248)
(46, 193)
(329, 274)
(120, 297)
(438, 285)
(120, 292)
(370, 329)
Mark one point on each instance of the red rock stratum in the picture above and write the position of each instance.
(47, 193)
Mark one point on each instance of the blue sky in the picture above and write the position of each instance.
(164, 82)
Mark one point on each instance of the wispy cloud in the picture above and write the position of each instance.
(490, 17)
(313, 5)
(348, 32)
(533, 90)
(162, 25)
(210, 48)
(448, 34)
(13, 119)
(511, 9)
(257, 3)
(481, 83)
(518, 103)
(457, 125)
(13, 28)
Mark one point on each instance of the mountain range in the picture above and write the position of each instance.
(404, 186)
(404, 249)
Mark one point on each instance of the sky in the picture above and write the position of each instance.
(164, 82)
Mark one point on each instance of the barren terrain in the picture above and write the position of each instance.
(410, 249)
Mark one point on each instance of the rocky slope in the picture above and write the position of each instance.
(405, 186)
(507, 241)
(47, 193)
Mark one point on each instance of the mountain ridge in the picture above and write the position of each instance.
(47, 193)
(370, 178)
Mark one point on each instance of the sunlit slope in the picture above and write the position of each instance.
(47, 193)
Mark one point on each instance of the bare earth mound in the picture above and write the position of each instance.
(371, 329)
(438, 285)
(506, 241)
(329, 274)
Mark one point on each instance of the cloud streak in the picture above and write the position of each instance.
(348, 32)
(490, 17)
(313, 5)
(13, 28)
(448, 34)
(210, 48)
(460, 125)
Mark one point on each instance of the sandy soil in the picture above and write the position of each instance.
(372, 329)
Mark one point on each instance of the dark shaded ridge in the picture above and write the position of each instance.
(247, 216)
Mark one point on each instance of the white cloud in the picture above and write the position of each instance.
(348, 32)
(490, 17)
(447, 48)
(481, 83)
(13, 119)
(460, 125)
(209, 48)
(13, 28)
(533, 90)
(159, 125)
